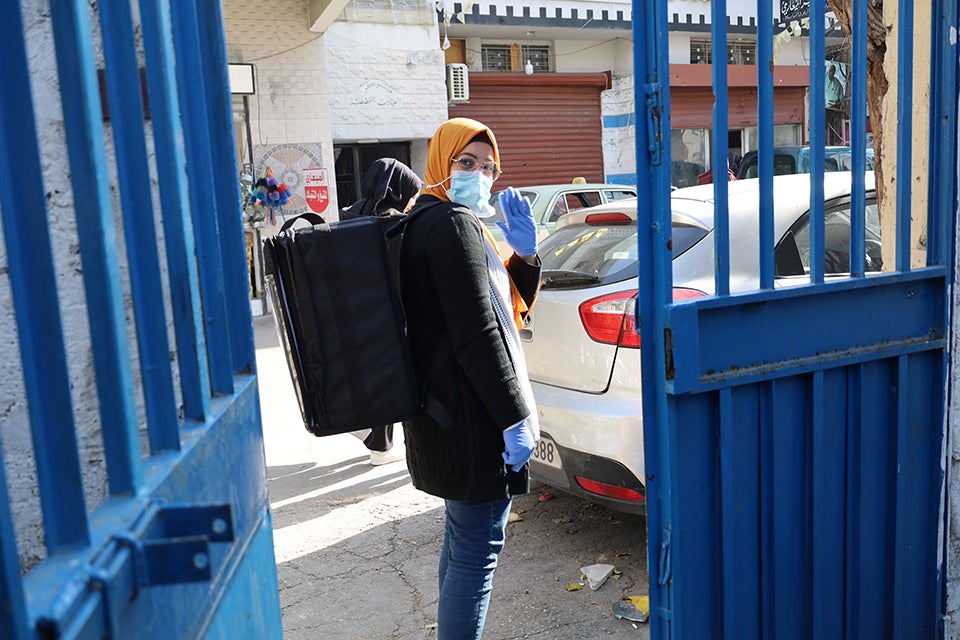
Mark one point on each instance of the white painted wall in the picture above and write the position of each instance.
(387, 82)
(290, 113)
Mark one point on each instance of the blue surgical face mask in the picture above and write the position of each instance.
(471, 189)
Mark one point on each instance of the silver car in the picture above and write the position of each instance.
(582, 346)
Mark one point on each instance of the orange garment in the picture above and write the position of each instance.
(519, 306)
(449, 140)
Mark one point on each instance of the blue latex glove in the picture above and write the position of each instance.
(518, 444)
(520, 231)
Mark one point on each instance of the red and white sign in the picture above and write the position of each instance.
(316, 189)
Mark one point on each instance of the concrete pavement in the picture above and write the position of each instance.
(357, 545)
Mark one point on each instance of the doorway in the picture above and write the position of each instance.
(351, 162)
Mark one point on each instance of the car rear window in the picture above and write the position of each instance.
(581, 255)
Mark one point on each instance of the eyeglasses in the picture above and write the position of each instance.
(467, 163)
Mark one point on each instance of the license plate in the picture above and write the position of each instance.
(546, 452)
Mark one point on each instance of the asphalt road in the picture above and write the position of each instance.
(357, 545)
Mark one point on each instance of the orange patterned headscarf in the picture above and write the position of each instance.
(449, 140)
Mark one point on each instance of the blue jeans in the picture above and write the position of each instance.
(472, 537)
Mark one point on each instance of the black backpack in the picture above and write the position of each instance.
(334, 289)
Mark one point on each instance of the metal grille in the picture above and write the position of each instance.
(738, 52)
(496, 57)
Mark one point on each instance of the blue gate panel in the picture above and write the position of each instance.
(750, 336)
(252, 607)
(807, 524)
(228, 441)
(180, 548)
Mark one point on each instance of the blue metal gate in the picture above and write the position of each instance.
(182, 545)
(794, 434)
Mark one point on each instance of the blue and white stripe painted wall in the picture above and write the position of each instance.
(619, 121)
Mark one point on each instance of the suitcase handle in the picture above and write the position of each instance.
(312, 218)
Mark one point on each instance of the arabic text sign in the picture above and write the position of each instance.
(794, 9)
(316, 189)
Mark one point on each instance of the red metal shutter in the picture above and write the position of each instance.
(692, 107)
(548, 125)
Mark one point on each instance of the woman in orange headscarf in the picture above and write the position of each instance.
(471, 444)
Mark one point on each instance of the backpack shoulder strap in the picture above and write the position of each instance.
(312, 218)
(397, 227)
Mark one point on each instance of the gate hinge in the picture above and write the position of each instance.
(167, 545)
(653, 94)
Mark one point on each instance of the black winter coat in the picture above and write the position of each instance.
(460, 356)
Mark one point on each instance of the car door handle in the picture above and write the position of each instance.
(526, 335)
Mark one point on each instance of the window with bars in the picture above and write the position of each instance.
(513, 57)
(740, 52)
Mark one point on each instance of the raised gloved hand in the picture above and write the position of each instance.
(518, 444)
(520, 231)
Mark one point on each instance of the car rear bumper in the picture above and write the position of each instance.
(579, 466)
(599, 439)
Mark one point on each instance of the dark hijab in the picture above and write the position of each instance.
(388, 184)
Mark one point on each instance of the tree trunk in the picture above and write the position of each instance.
(876, 78)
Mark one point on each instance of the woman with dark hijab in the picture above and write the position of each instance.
(389, 189)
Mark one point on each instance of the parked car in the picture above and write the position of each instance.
(551, 201)
(582, 346)
(787, 160)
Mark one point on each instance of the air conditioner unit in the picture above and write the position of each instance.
(458, 88)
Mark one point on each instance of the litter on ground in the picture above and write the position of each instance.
(634, 608)
(596, 574)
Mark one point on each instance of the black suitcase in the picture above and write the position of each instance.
(341, 324)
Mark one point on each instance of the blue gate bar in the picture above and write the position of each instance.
(193, 113)
(765, 137)
(904, 130)
(910, 542)
(942, 185)
(765, 548)
(33, 283)
(127, 117)
(13, 605)
(818, 106)
(877, 504)
(175, 211)
(721, 213)
(650, 37)
(740, 490)
(226, 183)
(83, 120)
(858, 137)
(856, 399)
(828, 502)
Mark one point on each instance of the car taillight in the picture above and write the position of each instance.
(609, 318)
(608, 218)
(610, 490)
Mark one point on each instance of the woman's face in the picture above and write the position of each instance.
(482, 152)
